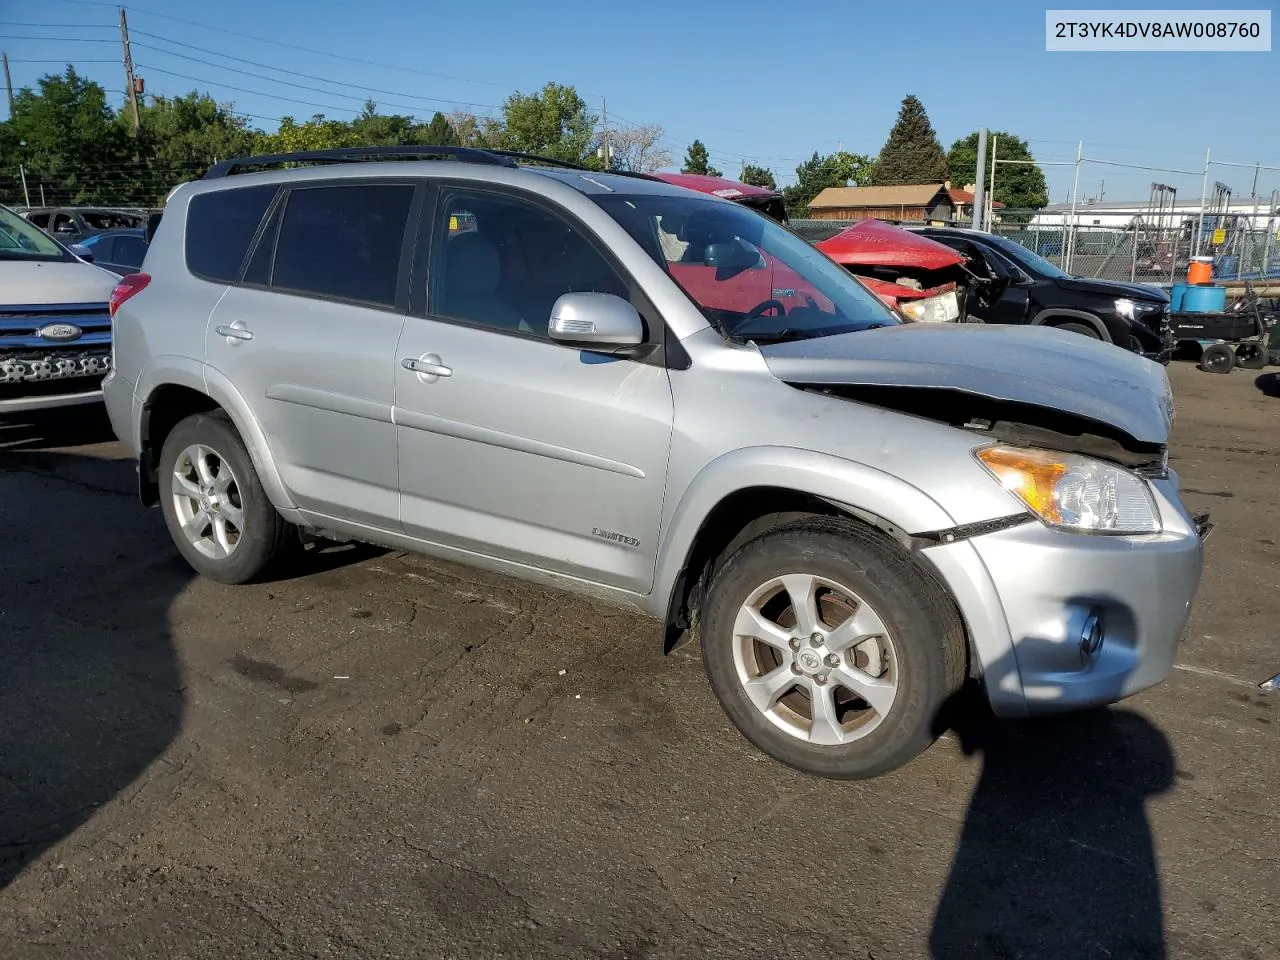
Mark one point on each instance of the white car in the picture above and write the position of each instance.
(55, 321)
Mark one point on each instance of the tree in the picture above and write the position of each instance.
(912, 154)
(439, 132)
(317, 133)
(697, 160)
(553, 123)
(840, 169)
(638, 149)
(74, 147)
(759, 177)
(1018, 185)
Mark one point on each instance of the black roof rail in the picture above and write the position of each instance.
(567, 164)
(354, 154)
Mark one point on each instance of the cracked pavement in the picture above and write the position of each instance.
(381, 756)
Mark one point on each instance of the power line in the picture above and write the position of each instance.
(271, 96)
(294, 73)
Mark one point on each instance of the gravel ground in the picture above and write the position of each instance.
(391, 757)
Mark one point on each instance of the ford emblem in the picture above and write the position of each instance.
(59, 331)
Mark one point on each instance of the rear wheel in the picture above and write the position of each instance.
(829, 650)
(1218, 358)
(1251, 356)
(214, 505)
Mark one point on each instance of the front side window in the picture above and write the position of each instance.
(343, 242)
(752, 278)
(502, 262)
(22, 240)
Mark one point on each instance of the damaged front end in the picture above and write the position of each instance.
(924, 280)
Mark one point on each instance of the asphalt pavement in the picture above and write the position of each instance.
(385, 756)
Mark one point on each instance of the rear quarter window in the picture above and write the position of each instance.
(220, 227)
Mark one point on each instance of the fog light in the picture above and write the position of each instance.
(1091, 636)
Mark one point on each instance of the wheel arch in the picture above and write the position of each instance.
(1055, 316)
(174, 393)
(745, 493)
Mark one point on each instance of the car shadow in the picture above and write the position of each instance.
(61, 427)
(92, 689)
(90, 685)
(1269, 383)
(1056, 858)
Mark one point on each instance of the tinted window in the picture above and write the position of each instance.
(343, 241)
(220, 226)
(103, 248)
(129, 251)
(502, 262)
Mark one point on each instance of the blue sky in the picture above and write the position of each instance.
(754, 81)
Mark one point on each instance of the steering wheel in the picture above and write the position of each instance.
(761, 307)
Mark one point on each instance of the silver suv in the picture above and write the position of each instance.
(667, 401)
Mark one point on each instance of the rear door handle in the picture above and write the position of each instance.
(428, 367)
(234, 332)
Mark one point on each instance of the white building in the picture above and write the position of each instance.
(1121, 213)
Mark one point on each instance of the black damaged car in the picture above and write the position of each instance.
(1131, 315)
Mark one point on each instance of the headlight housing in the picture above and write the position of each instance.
(1073, 492)
(1135, 309)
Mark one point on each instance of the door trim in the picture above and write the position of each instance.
(430, 423)
(333, 402)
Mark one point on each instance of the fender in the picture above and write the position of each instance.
(863, 489)
(1053, 313)
(221, 389)
(196, 375)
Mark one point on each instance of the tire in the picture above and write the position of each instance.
(1252, 356)
(916, 645)
(1218, 358)
(1081, 328)
(253, 535)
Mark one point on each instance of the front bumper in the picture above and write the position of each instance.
(1027, 592)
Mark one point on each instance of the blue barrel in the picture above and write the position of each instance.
(1204, 298)
(1175, 295)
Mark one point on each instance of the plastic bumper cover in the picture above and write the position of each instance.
(1027, 593)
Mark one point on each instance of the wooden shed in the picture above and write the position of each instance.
(924, 202)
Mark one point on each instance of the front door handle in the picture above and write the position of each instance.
(234, 332)
(428, 367)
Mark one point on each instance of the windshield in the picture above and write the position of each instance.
(20, 240)
(1024, 256)
(751, 278)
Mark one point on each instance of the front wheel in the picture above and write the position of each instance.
(830, 650)
(1081, 328)
(213, 502)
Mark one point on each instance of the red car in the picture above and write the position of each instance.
(921, 278)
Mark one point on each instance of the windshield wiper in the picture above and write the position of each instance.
(784, 335)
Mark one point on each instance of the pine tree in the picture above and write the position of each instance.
(912, 153)
(696, 160)
(759, 176)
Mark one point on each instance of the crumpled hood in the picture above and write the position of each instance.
(1114, 288)
(1032, 365)
(876, 243)
(31, 282)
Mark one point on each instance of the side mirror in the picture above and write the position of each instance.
(83, 252)
(600, 322)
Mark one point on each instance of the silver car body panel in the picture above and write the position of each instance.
(597, 473)
(1041, 366)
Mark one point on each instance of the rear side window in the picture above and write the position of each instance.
(343, 242)
(220, 226)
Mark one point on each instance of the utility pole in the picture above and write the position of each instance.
(128, 69)
(26, 197)
(1102, 190)
(604, 134)
(1252, 193)
(8, 84)
(979, 190)
(991, 191)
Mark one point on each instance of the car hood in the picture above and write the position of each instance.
(32, 282)
(1037, 366)
(875, 243)
(1114, 288)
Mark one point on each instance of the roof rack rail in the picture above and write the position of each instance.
(355, 154)
(549, 161)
